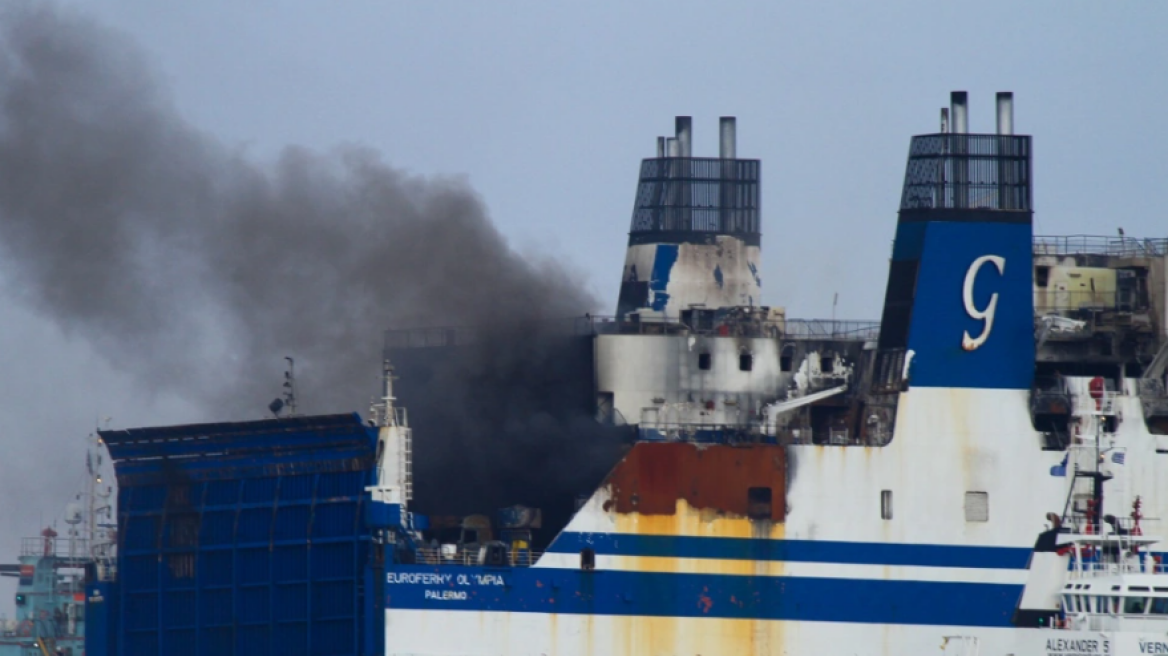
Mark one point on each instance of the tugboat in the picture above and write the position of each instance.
(1095, 586)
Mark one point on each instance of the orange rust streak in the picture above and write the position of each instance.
(653, 477)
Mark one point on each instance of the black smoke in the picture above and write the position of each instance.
(197, 269)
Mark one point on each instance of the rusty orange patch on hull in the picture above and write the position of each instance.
(653, 476)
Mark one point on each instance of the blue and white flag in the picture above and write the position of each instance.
(1061, 468)
(1117, 457)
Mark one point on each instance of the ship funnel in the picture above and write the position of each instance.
(661, 147)
(959, 101)
(944, 120)
(694, 239)
(958, 306)
(684, 131)
(1005, 113)
(727, 128)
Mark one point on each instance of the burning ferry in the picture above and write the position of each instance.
(787, 487)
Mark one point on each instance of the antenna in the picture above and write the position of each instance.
(834, 302)
(288, 400)
(388, 414)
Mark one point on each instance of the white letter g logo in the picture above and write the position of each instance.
(987, 315)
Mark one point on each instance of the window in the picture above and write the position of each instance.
(786, 358)
(827, 363)
(704, 361)
(587, 559)
(758, 503)
(745, 361)
(1042, 276)
(977, 507)
(1160, 605)
(886, 504)
(1134, 605)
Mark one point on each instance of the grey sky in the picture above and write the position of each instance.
(547, 109)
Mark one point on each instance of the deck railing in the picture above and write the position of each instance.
(467, 558)
(1100, 245)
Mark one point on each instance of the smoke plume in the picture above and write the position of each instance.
(197, 269)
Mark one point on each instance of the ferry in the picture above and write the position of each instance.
(789, 486)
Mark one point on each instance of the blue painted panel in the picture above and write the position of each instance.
(939, 319)
(255, 525)
(216, 607)
(290, 563)
(222, 493)
(216, 641)
(807, 551)
(101, 618)
(291, 523)
(910, 241)
(218, 527)
(260, 490)
(332, 600)
(332, 561)
(340, 484)
(294, 488)
(290, 602)
(254, 604)
(139, 573)
(253, 640)
(254, 565)
(178, 608)
(334, 519)
(707, 595)
(141, 610)
(178, 642)
(664, 257)
(290, 639)
(235, 570)
(333, 637)
(383, 514)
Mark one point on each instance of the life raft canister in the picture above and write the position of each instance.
(1095, 387)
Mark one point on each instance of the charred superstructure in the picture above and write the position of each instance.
(695, 234)
(1100, 309)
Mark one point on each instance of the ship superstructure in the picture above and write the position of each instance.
(54, 569)
(790, 486)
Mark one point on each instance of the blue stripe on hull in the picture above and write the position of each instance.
(536, 590)
(797, 551)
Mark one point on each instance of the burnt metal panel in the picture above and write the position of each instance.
(653, 477)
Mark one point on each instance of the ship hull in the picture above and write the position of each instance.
(830, 573)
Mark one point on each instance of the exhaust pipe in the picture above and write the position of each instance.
(1005, 113)
(959, 101)
(684, 128)
(728, 138)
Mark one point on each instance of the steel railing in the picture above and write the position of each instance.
(436, 556)
(60, 547)
(1100, 245)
